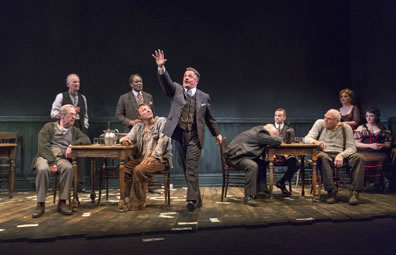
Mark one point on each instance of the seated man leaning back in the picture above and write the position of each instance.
(53, 157)
(338, 147)
(152, 155)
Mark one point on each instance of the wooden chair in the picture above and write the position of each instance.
(160, 180)
(231, 175)
(8, 146)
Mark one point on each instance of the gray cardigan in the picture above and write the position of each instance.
(45, 137)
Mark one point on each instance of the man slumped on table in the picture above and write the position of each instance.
(152, 155)
(246, 151)
(53, 157)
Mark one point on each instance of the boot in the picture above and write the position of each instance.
(40, 209)
(63, 208)
(331, 197)
(353, 200)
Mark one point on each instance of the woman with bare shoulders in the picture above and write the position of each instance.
(374, 142)
(349, 113)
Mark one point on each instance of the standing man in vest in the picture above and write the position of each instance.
(126, 111)
(285, 160)
(337, 144)
(190, 111)
(80, 105)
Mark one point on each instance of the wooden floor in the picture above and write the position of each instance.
(91, 221)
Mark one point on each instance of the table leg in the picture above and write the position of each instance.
(12, 178)
(93, 166)
(121, 203)
(75, 181)
(316, 193)
(271, 178)
(302, 171)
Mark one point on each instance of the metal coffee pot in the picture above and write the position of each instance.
(110, 136)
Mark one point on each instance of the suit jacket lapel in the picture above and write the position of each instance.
(197, 101)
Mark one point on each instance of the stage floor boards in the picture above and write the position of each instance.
(92, 221)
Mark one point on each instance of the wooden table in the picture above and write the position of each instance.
(100, 151)
(297, 149)
(9, 150)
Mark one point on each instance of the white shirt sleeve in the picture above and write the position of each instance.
(56, 105)
(86, 124)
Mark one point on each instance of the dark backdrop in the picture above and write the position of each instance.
(253, 56)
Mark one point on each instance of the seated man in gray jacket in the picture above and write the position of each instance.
(245, 152)
(53, 157)
(152, 155)
(338, 145)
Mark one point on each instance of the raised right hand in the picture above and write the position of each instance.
(159, 57)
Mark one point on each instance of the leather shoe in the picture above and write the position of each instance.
(191, 206)
(353, 200)
(282, 187)
(250, 201)
(40, 209)
(64, 209)
(331, 197)
(263, 194)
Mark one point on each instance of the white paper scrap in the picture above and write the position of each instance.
(166, 216)
(214, 220)
(87, 214)
(166, 213)
(27, 225)
(188, 223)
(2, 229)
(146, 240)
(31, 197)
(181, 229)
(305, 219)
(223, 203)
(288, 198)
(157, 198)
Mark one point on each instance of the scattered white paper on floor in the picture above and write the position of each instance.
(27, 225)
(31, 197)
(87, 214)
(167, 216)
(235, 198)
(223, 203)
(305, 219)
(179, 200)
(214, 220)
(2, 229)
(289, 198)
(181, 229)
(146, 240)
(157, 198)
(188, 223)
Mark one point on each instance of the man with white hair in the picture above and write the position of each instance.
(245, 151)
(337, 144)
(54, 157)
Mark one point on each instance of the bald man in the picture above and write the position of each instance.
(338, 147)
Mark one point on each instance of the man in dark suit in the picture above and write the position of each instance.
(245, 152)
(126, 111)
(190, 111)
(291, 162)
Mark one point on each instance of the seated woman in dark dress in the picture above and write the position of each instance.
(349, 113)
(374, 142)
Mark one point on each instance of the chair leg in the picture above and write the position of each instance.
(226, 185)
(55, 188)
(223, 188)
(100, 183)
(166, 188)
(297, 178)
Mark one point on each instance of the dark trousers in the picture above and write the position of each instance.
(188, 150)
(293, 165)
(355, 162)
(255, 178)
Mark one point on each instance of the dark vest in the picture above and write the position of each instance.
(187, 117)
(81, 103)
